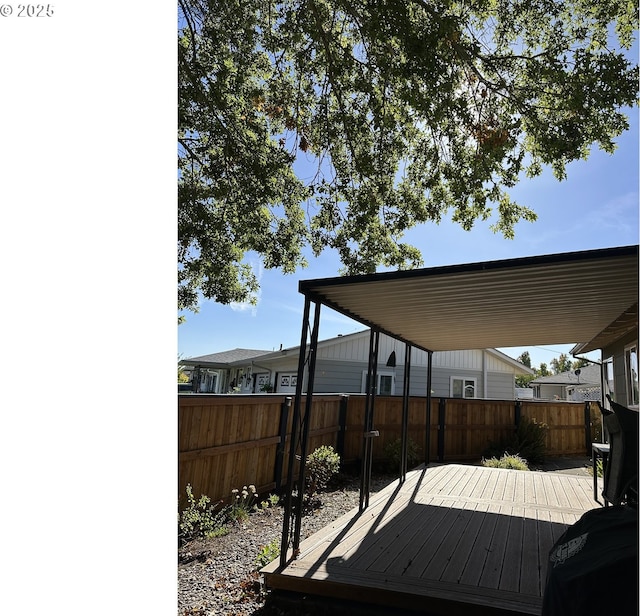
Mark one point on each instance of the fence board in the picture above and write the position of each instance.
(566, 425)
(226, 442)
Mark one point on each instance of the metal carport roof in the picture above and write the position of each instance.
(564, 298)
(585, 298)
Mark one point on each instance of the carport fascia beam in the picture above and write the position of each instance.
(320, 299)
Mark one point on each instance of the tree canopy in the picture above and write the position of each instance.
(561, 364)
(525, 358)
(558, 365)
(341, 123)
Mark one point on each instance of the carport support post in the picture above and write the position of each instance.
(280, 449)
(368, 433)
(342, 424)
(306, 422)
(442, 408)
(427, 440)
(405, 412)
(293, 445)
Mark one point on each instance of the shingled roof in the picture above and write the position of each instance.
(224, 358)
(589, 375)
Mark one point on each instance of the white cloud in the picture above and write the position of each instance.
(256, 266)
(620, 214)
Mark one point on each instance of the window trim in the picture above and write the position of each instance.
(363, 383)
(453, 378)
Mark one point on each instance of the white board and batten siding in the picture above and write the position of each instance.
(355, 347)
(342, 361)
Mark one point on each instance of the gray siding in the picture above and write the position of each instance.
(440, 381)
(338, 377)
(346, 377)
(550, 391)
(501, 386)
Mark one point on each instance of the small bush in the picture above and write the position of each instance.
(322, 464)
(393, 453)
(267, 553)
(272, 501)
(201, 519)
(528, 441)
(507, 461)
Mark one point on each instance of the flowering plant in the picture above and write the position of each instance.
(243, 501)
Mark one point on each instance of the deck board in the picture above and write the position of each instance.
(490, 577)
(530, 564)
(480, 548)
(434, 551)
(459, 539)
(418, 539)
(515, 550)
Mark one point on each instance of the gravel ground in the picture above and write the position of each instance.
(220, 577)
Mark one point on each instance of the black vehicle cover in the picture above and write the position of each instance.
(593, 567)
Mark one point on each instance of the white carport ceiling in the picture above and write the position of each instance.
(551, 299)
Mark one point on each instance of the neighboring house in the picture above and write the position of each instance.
(577, 385)
(222, 372)
(341, 367)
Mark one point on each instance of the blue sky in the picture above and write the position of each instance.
(595, 207)
(88, 246)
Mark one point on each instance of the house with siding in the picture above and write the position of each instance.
(223, 372)
(576, 385)
(341, 367)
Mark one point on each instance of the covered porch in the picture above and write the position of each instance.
(451, 539)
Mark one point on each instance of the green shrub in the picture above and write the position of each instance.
(272, 501)
(507, 461)
(267, 553)
(528, 441)
(201, 519)
(393, 454)
(322, 464)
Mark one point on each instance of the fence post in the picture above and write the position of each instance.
(517, 412)
(280, 448)
(342, 425)
(587, 426)
(442, 407)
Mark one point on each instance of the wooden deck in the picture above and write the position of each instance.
(454, 540)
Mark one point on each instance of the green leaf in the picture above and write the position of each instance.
(401, 111)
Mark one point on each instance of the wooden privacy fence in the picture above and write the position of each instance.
(227, 442)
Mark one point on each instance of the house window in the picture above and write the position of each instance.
(385, 384)
(385, 381)
(463, 387)
(631, 374)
